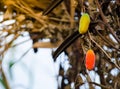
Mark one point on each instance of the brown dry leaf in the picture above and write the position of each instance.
(20, 18)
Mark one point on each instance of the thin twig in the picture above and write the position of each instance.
(21, 42)
(59, 20)
(100, 85)
(73, 5)
(115, 86)
(106, 40)
(22, 56)
(89, 80)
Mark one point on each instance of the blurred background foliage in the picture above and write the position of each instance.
(103, 36)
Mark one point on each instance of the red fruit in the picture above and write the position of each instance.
(90, 59)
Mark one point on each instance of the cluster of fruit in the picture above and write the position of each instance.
(83, 28)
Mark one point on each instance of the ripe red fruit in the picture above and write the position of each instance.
(90, 59)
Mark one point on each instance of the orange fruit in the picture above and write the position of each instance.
(90, 59)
